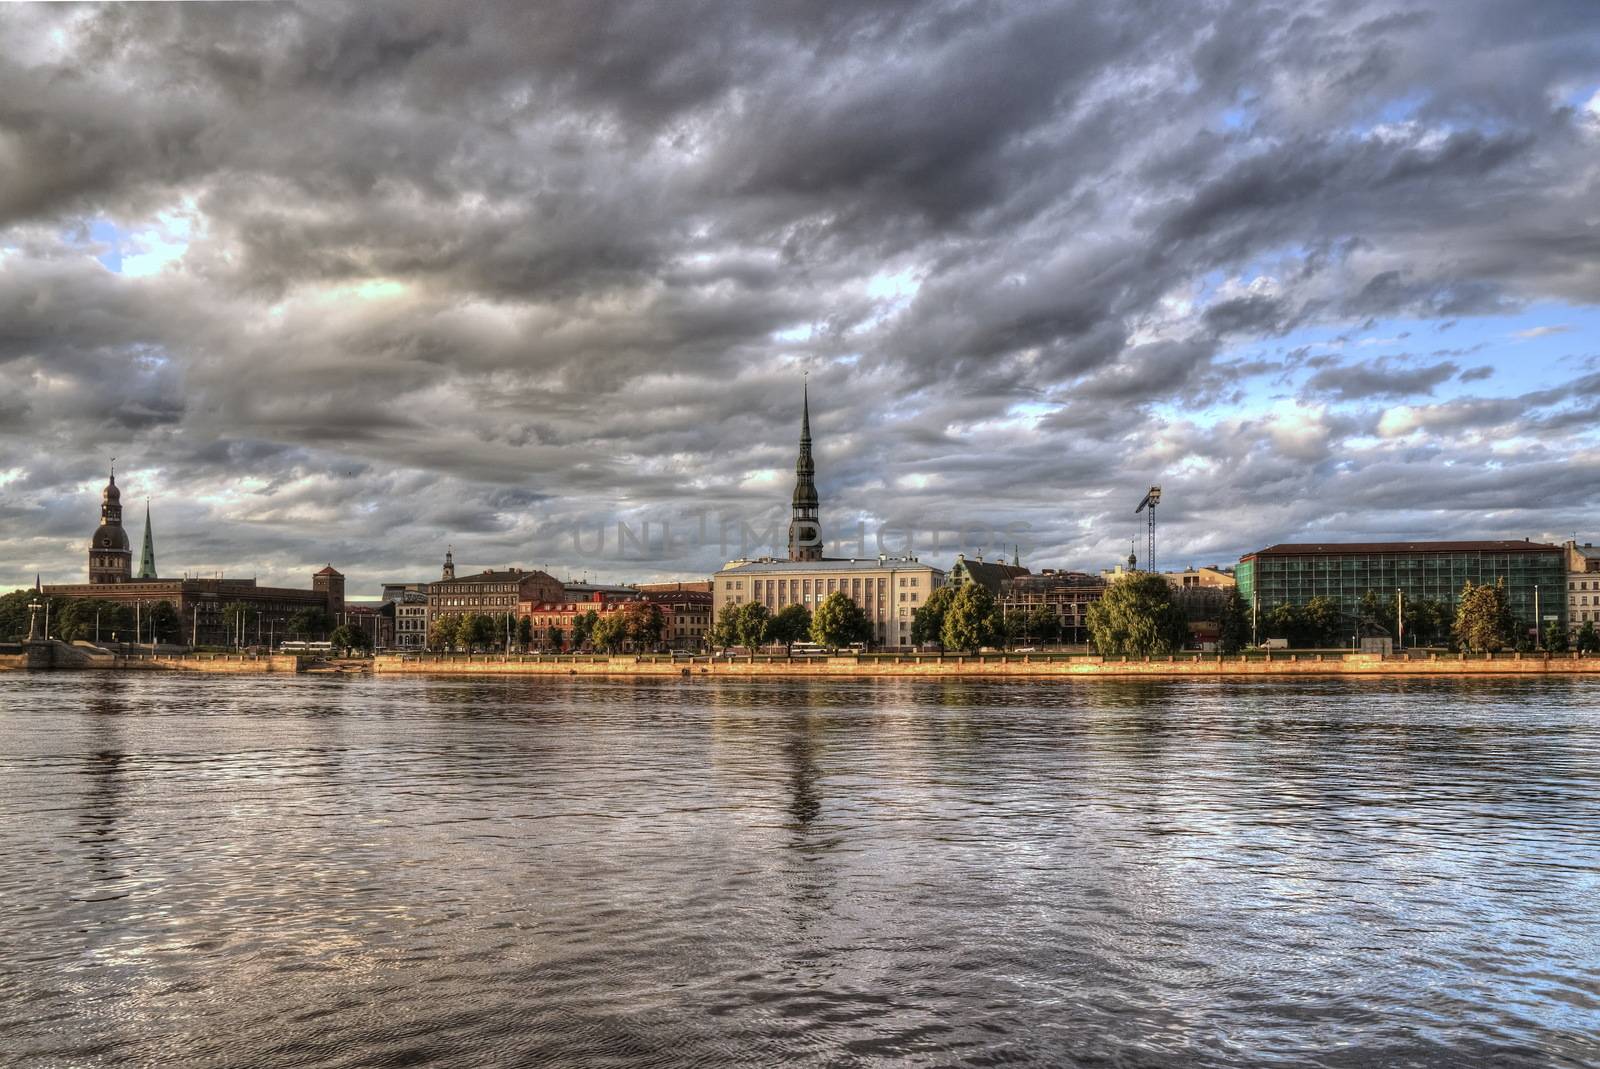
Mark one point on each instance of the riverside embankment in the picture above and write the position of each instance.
(1014, 665)
(52, 655)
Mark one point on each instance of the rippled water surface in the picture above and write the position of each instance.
(349, 872)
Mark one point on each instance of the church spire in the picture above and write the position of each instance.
(147, 559)
(805, 531)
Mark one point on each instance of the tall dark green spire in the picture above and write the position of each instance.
(805, 531)
(147, 559)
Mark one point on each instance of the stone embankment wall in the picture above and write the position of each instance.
(59, 655)
(991, 666)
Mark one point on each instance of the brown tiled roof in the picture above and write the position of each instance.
(1319, 549)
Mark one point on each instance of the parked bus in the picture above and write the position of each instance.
(305, 647)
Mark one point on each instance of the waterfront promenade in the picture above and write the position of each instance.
(870, 665)
(1007, 665)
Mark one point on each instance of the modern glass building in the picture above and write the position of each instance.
(1294, 573)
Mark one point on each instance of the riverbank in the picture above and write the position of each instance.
(51, 655)
(991, 665)
(57, 656)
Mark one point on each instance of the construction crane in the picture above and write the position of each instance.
(1152, 498)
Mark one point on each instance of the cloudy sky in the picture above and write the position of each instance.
(350, 283)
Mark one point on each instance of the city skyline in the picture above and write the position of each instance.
(1335, 281)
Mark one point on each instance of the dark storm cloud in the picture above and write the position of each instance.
(1383, 377)
(396, 276)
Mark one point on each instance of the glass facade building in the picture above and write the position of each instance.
(1294, 573)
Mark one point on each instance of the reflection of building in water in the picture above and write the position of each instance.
(105, 784)
(805, 801)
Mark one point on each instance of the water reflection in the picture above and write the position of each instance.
(824, 872)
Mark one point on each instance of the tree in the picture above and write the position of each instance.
(1287, 622)
(1555, 637)
(1042, 625)
(14, 615)
(553, 638)
(1373, 612)
(789, 625)
(1588, 638)
(1483, 618)
(309, 622)
(349, 639)
(609, 632)
(479, 631)
(839, 621)
(1136, 616)
(1233, 624)
(643, 624)
(971, 622)
(583, 628)
(525, 632)
(725, 632)
(750, 625)
(77, 619)
(927, 622)
(1428, 622)
(161, 622)
(238, 618)
(1325, 622)
(442, 633)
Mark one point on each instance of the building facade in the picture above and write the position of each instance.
(488, 593)
(687, 609)
(1583, 585)
(410, 618)
(1067, 594)
(376, 620)
(1535, 574)
(207, 609)
(888, 589)
(561, 613)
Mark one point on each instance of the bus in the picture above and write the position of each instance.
(305, 647)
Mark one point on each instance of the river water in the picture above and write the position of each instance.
(355, 872)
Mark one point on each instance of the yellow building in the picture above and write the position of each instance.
(888, 589)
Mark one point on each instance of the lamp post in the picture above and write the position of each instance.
(1400, 615)
(33, 620)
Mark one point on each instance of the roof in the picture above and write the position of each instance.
(1321, 549)
(801, 567)
(329, 570)
(598, 588)
(988, 573)
(510, 575)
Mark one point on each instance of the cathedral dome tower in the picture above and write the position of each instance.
(110, 559)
